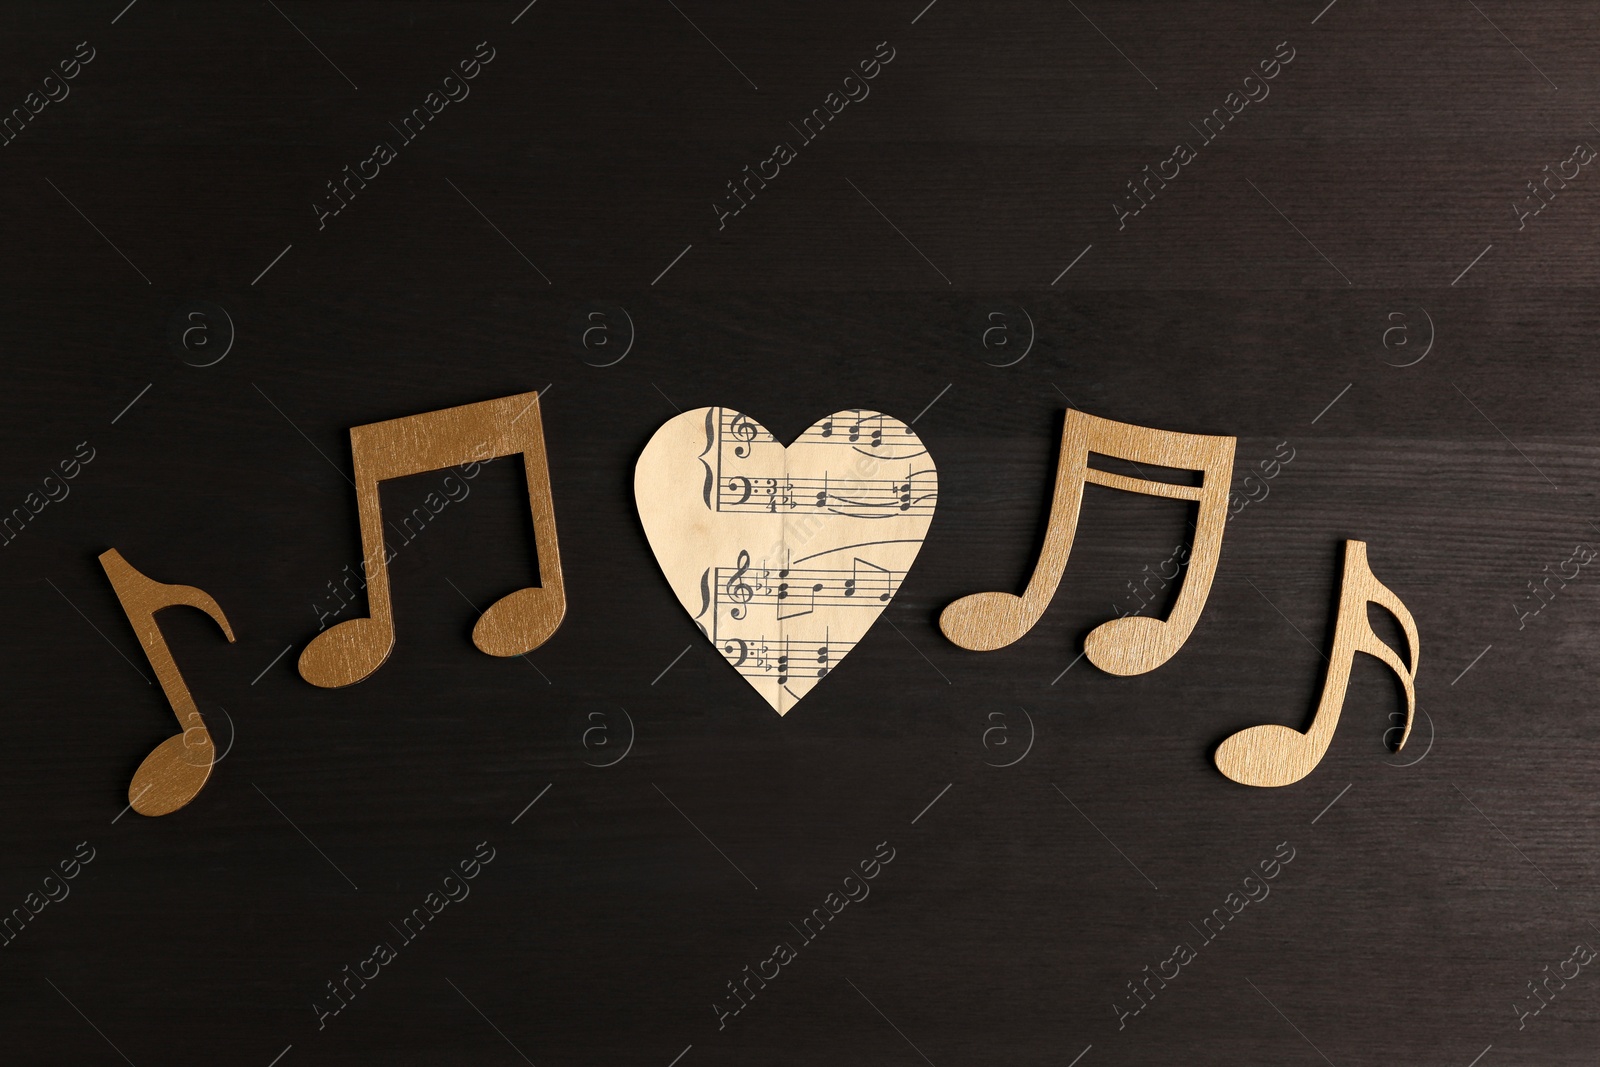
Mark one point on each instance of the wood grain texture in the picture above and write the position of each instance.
(465, 436)
(1125, 645)
(1273, 755)
(177, 769)
(1421, 899)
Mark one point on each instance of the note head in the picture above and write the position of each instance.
(172, 774)
(520, 622)
(1130, 645)
(345, 654)
(1267, 756)
(983, 622)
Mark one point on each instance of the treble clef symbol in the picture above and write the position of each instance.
(745, 431)
(738, 590)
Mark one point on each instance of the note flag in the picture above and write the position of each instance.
(1131, 645)
(175, 770)
(1275, 755)
(515, 624)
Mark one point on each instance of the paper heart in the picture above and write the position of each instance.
(785, 557)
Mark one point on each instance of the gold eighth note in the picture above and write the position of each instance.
(175, 770)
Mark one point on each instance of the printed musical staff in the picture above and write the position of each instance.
(870, 432)
(801, 590)
(865, 498)
(786, 555)
(781, 661)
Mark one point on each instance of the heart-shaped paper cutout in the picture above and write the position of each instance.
(785, 557)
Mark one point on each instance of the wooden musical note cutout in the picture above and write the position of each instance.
(1133, 645)
(1274, 755)
(785, 557)
(175, 770)
(518, 622)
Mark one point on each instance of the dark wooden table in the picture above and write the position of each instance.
(1348, 268)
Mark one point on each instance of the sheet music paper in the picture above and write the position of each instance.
(784, 557)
